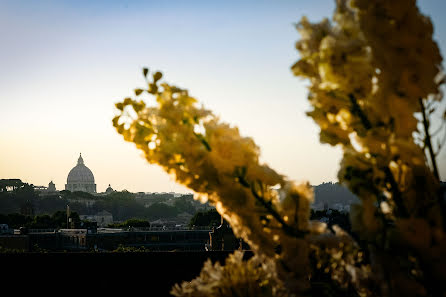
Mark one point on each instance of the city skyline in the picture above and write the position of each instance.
(66, 63)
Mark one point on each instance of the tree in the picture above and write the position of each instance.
(60, 219)
(375, 76)
(184, 205)
(13, 184)
(42, 222)
(15, 220)
(160, 210)
(122, 205)
(208, 218)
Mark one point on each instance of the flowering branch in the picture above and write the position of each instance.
(240, 172)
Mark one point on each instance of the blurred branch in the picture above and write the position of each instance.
(267, 205)
(397, 197)
(285, 227)
(427, 140)
(356, 110)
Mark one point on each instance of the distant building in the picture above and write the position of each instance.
(51, 187)
(109, 190)
(80, 178)
(7, 185)
(103, 218)
(84, 201)
(40, 189)
(46, 191)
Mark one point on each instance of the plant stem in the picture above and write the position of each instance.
(427, 140)
(286, 228)
(396, 192)
(356, 110)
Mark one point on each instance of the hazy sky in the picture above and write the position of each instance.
(63, 65)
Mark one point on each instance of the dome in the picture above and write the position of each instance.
(109, 189)
(80, 173)
(80, 178)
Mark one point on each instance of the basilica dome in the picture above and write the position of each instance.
(80, 178)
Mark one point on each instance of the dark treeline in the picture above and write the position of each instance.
(331, 217)
(210, 218)
(131, 223)
(21, 198)
(122, 205)
(55, 221)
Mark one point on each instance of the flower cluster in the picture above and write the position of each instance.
(210, 157)
(253, 277)
(371, 71)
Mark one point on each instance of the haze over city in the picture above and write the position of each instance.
(65, 64)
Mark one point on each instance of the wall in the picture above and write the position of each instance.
(131, 274)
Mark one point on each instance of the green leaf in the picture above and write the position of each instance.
(138, 91)
(145, 71)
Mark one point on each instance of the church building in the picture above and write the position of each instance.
(81, 178)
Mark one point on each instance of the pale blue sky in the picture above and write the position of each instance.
(63, 65)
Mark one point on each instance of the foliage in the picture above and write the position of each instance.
(161, 210)
(371, 71)
(254, 277)
(333, 218)
(57, 220)
(15, 220)
(54, 203)
(183, 205)
(7, 184)
(208, 218)
(122, 205)
(21, 195)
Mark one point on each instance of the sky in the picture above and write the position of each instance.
(63, 65)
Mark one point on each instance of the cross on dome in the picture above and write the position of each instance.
(80, 160)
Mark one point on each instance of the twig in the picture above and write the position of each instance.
(428, 140)
(396, 193)
(268, 205)
(356, 109)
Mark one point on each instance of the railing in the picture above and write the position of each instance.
(73, 231)
(152, 228)
(161, 228)
(155, 228)
(48, 230)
